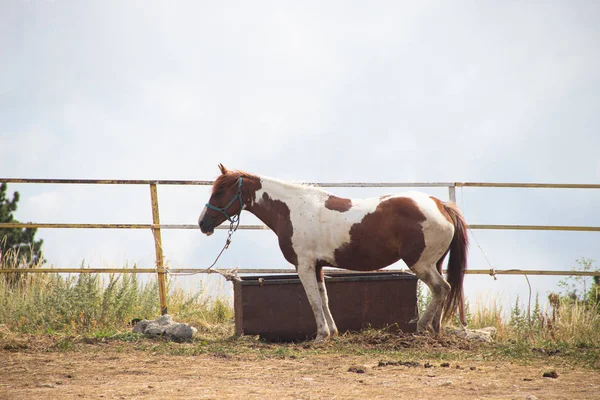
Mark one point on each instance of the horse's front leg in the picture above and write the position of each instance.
(333, 330)
(307, 274)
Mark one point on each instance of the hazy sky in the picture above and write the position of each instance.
(305, 91)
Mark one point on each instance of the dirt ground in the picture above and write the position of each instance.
(117, 372)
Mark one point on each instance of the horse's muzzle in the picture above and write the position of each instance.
(205, 226)
(207, 230)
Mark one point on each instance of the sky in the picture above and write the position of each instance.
(338, 91)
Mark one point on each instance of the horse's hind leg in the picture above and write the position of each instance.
(307, 275)
(439, 288)
(437, 318)
(333, 331)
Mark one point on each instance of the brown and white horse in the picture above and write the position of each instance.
(317, 229)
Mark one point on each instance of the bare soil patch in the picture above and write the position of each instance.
(374, 368)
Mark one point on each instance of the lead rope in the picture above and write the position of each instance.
(230, 275)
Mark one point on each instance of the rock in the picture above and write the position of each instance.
(480, 335)
(409, 363)
(164, 320)
(357, 369)
(140, 327)
(182, 331)
(550, 374)
(164, 326)
(154, 330)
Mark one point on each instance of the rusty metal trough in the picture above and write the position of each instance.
(275, 307)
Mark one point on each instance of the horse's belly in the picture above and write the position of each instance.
(366, 264)
(361, 258)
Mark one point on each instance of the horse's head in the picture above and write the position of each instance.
(225, 203)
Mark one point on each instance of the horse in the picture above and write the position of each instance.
(317, 229)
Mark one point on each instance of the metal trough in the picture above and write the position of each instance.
(275, 307)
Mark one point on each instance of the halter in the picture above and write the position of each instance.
(238, 196)
(233, 220)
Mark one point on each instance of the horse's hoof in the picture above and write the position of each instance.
(424, 330)
(321, 339)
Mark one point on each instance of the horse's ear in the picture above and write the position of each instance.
(223, 169)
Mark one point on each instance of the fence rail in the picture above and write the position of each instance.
(264, 227)
(156, 226)
(176, 271)
(320, 184)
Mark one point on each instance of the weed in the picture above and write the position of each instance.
(88, 304)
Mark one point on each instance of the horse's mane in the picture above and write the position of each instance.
(230, 178)
(227, 180)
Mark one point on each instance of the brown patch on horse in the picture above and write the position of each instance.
(338, 204)
(276, 215)
(250, 184)
(442, 208)
(393, 232)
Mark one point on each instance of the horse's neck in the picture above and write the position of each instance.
(275, 199)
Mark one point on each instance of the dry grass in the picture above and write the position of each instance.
(99, 304)
(567, 322)
(61, 311)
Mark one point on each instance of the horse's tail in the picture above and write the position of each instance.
(457, 264)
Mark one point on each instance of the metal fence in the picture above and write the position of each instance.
(156, 225)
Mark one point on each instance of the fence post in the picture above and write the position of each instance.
(160, 268)
(452, 193)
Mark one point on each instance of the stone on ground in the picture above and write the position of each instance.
(165, 327)
(481, 335)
